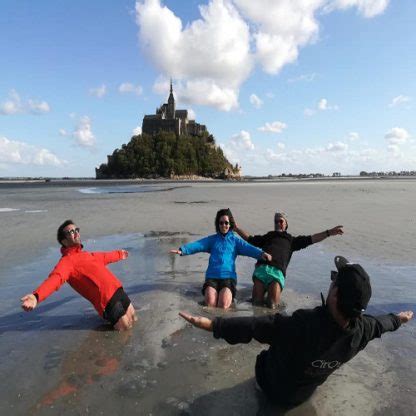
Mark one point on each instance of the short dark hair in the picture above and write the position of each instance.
(60, 235)
(221, 213)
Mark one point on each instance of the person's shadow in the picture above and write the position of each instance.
(240, 400)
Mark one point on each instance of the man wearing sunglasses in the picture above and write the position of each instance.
(305, 348)
(87, 273)
(270, 276)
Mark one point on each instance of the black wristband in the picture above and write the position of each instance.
(327, 233)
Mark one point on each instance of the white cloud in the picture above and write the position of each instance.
(127, 87)
(394, 149)
(303, 78)
(367, 8)
(353, 136)
(274, 127)
(136, 131)
(280, 28)
(337, 156)
(98, 92)
(337, 147)
(15, 105)
(82, 133)
(207, 92)
(255, 101)
(217, 52)
(191, 114)
(210, 55)
(397, 136)
(399, 100)
(242, 140)
(16, 152)
(323, 105)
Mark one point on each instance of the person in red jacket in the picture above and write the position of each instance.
(88, 275)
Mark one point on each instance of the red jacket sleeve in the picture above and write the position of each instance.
(58, 276)
(108, 256)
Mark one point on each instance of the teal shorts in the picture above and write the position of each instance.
(269, 274)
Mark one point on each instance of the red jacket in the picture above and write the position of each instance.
(86, 273)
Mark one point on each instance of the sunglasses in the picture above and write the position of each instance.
(72, 232)
(224, 223)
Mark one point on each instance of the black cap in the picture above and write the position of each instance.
(354, 287)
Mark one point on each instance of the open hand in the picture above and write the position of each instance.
(338, 230)
(405, 316)
(198, 321)
(29, 302)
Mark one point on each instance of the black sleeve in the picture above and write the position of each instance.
(256, 240)
(243, 329)
(301, 241)
(375, 326)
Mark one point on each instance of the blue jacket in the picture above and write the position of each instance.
(223, 249)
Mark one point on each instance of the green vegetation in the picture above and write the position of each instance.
(166, 155)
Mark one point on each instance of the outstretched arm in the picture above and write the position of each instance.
(198, 321)
(239, 330)
(203, 245)
(338, 230)
(243, 234)
(378, 325)
(111, 256)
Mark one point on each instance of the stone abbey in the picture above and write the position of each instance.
(170, 146)
(169, 119)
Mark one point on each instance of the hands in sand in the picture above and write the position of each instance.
(198, 321)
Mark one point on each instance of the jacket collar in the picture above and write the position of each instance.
(228, 235)
(67, 251)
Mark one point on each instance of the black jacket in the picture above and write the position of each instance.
(280, 245)
(305, 348)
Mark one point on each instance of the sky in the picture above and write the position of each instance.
(284, 86)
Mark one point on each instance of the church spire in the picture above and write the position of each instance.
(171, 103)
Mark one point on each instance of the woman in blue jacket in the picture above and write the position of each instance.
(220, 278)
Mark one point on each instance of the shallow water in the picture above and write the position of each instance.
(62, 359)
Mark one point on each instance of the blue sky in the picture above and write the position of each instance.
(283, 85)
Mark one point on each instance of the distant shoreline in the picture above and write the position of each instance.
(46, 182)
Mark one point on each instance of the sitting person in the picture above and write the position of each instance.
(87, 274)
(221, 279)
(305, 348)
(270, 276)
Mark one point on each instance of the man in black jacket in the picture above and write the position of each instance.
(308, 346)
(270, 276)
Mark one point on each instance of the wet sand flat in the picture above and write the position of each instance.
(61, 359)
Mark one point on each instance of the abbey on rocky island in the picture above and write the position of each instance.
(169, 119)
